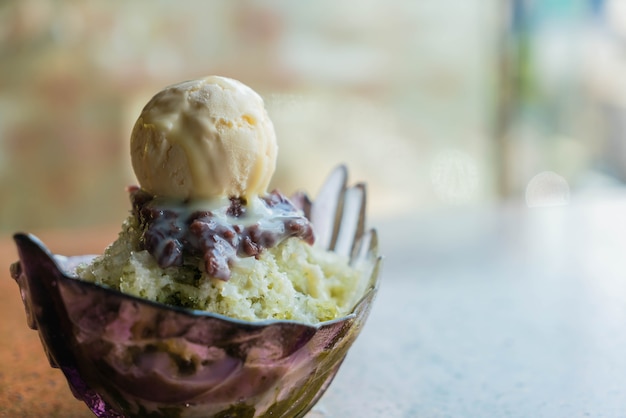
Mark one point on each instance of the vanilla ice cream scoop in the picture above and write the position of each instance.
(204, 138)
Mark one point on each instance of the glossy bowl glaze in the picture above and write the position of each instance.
(128, 357)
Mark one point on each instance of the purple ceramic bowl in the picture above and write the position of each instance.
(129, 357)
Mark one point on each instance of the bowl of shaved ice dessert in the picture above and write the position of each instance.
(219, 298)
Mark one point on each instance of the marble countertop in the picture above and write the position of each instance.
(500, 311)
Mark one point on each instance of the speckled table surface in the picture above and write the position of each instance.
(491, 312)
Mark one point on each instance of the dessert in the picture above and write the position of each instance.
(208, 138)
(218, 299)
(204, 233)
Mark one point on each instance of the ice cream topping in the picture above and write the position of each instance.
(204, 152)
(204, 138)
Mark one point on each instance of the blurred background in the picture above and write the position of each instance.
(434, 104)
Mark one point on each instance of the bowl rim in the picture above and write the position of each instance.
(58, 259)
